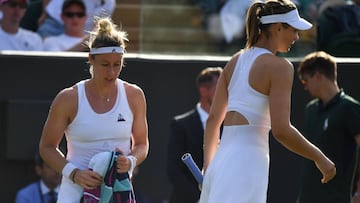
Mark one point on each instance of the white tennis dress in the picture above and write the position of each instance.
(239, 170)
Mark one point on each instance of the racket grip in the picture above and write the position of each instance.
(194, 169)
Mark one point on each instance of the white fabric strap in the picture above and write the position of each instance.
(280, 18)
(68, 169)
(107, 50)
(133, 161)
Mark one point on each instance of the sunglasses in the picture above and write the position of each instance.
(13, 4)
(74, 14)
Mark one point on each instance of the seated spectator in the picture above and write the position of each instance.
(32, 14)
(210, 16)
(339, 30)
(51, 24)
(74, 16)
(224, 22)
(12, 36)
(329, 3)
(233, 15)
(42, 191)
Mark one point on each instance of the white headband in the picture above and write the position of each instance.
(107, 50)
(292, 18)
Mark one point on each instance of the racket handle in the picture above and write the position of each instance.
(194, 169)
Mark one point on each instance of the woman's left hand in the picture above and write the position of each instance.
(123, 164)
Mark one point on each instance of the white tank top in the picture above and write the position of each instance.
(242, 97)
(91, 132)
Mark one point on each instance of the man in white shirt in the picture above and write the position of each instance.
(51, 24)
(73, 39)
(12, 36)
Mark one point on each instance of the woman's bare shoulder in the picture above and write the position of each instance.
(135, 97)
(134, 93)
(274, 61)
(66, 98)
(274, 64)
(67, 93)
(132, 89)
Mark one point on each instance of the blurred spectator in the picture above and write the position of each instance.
(74, 17)
(233, 15)
(42, 191)
(50, 22)
(32, 14)
(209, 8)
(310, 10)
(210, 16)
(224, 21)
(339, 30)
(12, 36)
(328, 3)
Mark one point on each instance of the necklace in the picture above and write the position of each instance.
(99, 96)
(107, 99)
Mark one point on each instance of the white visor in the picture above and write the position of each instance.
(107, 50)
(292, 18)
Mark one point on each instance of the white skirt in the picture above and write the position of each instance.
(239, 170)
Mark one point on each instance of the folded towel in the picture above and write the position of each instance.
(116, 187)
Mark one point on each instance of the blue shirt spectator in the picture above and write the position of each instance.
(43, 191)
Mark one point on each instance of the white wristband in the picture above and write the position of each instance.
(133, 161)
(68, 169)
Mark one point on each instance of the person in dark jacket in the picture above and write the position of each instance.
(187, 133)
